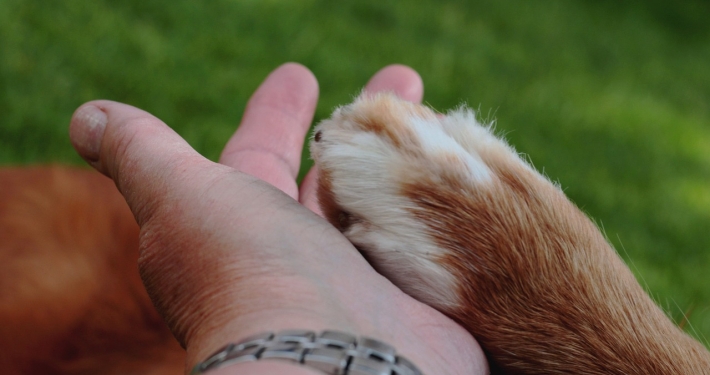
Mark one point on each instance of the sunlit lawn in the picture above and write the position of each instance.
(611, 99)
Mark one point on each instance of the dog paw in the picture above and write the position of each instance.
(415, 190)
(454, 217)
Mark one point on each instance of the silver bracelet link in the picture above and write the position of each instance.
(332, 352)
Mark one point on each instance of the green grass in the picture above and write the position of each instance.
(611, 99)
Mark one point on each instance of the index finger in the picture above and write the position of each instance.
(268, 142)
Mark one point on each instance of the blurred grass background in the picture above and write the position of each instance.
(610, 98)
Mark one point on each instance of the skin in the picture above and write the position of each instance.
(235, 248)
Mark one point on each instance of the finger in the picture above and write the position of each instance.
(402, 80)
(269, 141)
(308, 196)
(134, 148)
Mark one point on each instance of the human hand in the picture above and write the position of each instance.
(233, 249)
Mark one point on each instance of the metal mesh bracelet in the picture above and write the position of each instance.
(332, 352)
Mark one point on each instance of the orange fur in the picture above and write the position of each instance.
(544, 291)
(71, 300)
(535, 281)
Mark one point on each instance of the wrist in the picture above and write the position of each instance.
(272, 367)
(203, 346)
(210, 338)
(332, 352)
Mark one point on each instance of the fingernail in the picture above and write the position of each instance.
(87, 130)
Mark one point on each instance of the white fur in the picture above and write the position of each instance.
(364, 169)
(436, 139)
(367, 172)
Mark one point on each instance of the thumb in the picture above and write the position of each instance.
(159, 175)
(199, 231)
(139, 152)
